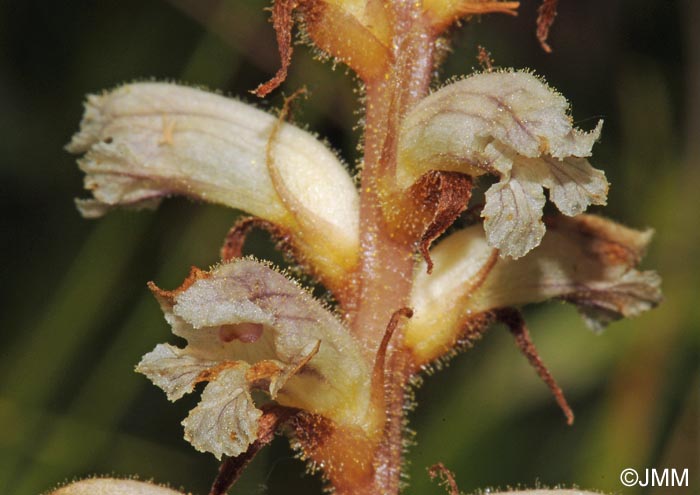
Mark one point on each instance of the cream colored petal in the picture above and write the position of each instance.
(513, 213)
(146, 141)
(513, 210)
(111, 486)
(334, 382)
(173, 369)
(573, 184)
(601, 303)
(587, 260)
(225, 422)
(512, 125)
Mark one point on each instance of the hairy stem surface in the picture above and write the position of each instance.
(383, 283)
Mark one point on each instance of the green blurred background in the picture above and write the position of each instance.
(77, 316)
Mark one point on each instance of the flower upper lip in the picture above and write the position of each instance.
(520, 127)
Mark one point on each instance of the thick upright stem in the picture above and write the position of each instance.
(386, 259)
(386, 266)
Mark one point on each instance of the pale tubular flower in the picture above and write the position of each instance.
(587, 260)
(249, 327)
(146, 141)
(112, 486)
(510, 124)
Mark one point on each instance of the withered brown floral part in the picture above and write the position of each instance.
(379, 378)
(237, 235)
(516, 324)
(448, 478)
(545, 18)
(432, 205)
(283, 22)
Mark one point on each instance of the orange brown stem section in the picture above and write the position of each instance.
(384, 277)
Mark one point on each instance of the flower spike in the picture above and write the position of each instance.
(269, 356)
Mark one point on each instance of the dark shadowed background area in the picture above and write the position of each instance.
(76, 315)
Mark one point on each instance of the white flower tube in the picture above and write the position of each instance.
(588, 261)
(146, 141)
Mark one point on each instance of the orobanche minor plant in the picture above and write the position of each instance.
(335, 379)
